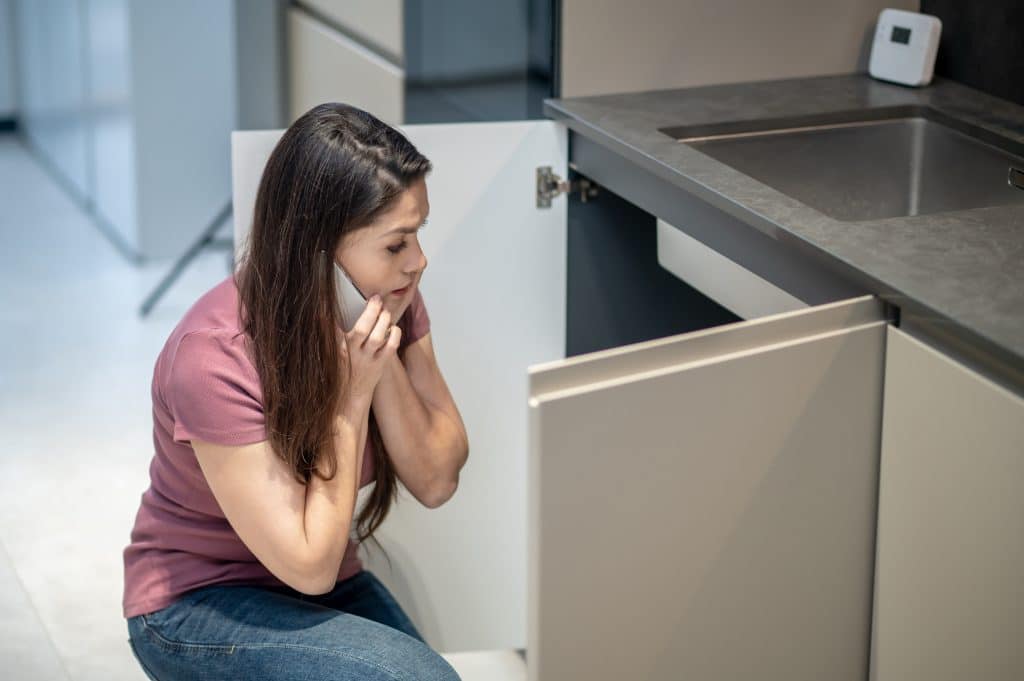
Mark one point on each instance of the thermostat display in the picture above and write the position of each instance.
(904, 47)
(900, 35)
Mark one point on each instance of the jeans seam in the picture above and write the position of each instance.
(225, 649)
(231, 649)
(138, 658)
(329, 651)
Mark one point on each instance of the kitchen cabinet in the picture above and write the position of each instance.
(948, 600)
(415, 61)
(495, 291)
(703, 506)
(378, 22)
(700, 505)
(326, 65)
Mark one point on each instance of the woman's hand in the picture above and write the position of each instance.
(369, 345)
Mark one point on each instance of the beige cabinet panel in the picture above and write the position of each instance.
(948, 597)
(710, 515)
(326, 66)
(379, 21)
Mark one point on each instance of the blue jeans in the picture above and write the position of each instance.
(357, 631)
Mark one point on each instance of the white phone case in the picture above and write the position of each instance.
(351, 302)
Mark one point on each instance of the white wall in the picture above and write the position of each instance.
(613, 46)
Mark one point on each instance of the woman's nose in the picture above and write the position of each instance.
(420, 263)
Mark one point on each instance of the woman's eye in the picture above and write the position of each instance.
(398, 248)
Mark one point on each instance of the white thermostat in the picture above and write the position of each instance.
(905, 47)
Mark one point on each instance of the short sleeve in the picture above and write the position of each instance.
(213, 390)
(415, 320)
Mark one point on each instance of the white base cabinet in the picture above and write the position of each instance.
(698, 506)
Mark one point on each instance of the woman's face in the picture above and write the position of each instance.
(386, 255)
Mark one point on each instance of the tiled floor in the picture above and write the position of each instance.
(75, 368)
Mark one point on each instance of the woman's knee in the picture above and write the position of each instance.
(428, 665)
(409, 658)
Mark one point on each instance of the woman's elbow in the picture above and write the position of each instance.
(315, 585)
(441, 493)
(441, 486)
(312, 578)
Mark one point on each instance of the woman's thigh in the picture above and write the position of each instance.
(365, 595)
(236, 632)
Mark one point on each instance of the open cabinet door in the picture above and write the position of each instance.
(494, 289)
(703, 506)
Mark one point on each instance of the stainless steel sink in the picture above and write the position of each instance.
(869, 164)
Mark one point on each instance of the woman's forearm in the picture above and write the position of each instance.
(330, 504)
(426, 447)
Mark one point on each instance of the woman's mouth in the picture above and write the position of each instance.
(401, 291)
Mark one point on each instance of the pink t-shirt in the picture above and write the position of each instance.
(206, 387)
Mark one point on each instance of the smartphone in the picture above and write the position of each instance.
(351, 302)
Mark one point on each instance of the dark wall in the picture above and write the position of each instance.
(982, 44)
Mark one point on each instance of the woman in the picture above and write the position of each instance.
(241, 564)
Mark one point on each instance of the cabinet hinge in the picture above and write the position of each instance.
(1015, 177)
(550, 185)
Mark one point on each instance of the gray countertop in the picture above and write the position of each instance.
(963, 269)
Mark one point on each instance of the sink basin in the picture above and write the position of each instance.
(869, 164)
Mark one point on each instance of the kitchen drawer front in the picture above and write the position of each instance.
(327, 66)
(703, 506)
(378, 21)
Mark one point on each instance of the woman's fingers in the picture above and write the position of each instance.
(374, 329)
(368, 319)
(394, 338)
(342, 338)
(380, 331)
(369, 344)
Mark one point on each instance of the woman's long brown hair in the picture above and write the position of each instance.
(332, 172)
